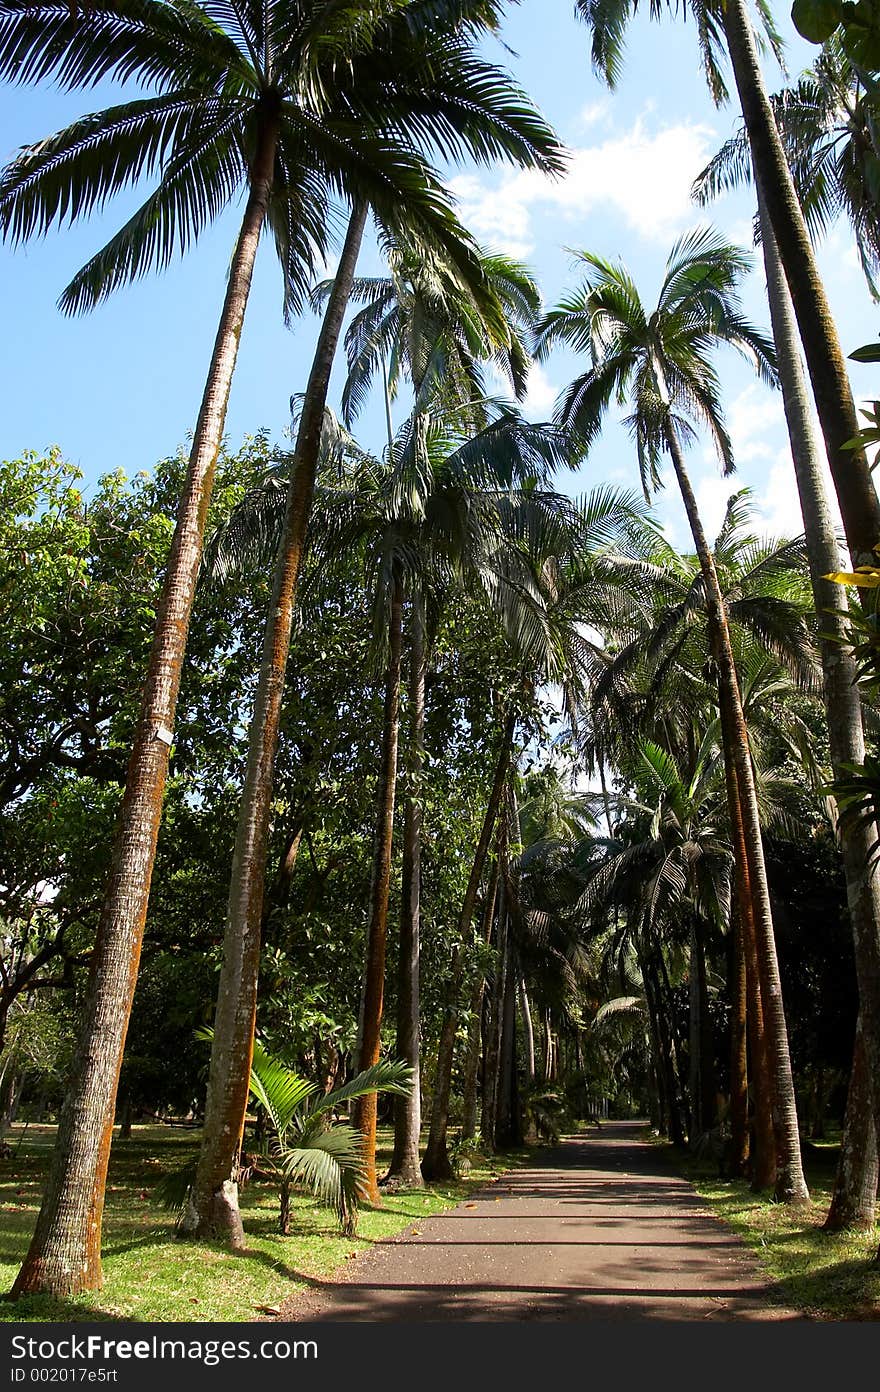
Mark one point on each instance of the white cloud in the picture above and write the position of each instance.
(754, 419)
(778, 504)
(742, 233)
(712, 494)
(643, 175)
(541, 395)
(595, 112)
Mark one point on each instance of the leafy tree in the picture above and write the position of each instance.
(258, 99)
(661, 360)
(493, 119)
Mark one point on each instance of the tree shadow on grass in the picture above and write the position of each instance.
(54, 1310)
(846, 1290)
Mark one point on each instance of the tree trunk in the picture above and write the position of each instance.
(702, 1077)
(405, 1171)
(212, 1210)
(528, 1030)
(859, 505)
(763, 1141)
(840, 676)
(547, 1051)
(472, 1061)
(508, 1123)
(763, 1148)
(493, 1021)
(364, 1109)
(659, 1025)
(125, 1119)
(10, 1097)
(64, 1258)
(436, 1164)
(738, 1159)
(854, 1201)
(790, 1183)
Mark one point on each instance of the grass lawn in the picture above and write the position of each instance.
(150, 1275)
(827, 1275)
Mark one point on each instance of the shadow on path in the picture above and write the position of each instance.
(595, 1230)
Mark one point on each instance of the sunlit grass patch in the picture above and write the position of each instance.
(827, 1275)
(151, 1275)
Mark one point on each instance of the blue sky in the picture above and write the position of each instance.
(120, 387)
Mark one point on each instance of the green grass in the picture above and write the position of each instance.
(150, 1275)
(826, 1275)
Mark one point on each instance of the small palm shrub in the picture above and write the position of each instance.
(305, 1146)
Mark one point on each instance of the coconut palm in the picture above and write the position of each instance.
(657, 681)
(434, 522)
(826, 121)
(661, 361)
(728, 25)
(499, 121)
(670, 871)
(655, 676)
(436, 514)
(416, 326)
(829, 161)
(549, 580)
(255, 98)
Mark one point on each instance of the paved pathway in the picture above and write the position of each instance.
(598, 1230)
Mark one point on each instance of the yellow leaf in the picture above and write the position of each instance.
(865, 577)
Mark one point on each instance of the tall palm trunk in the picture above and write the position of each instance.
(64, 1257)
(528, 1029)
(840, 677)
(763, 1157)
(791, 1186)
(212, 1209)
(702, 1069)
(369, 1033)
(739, 1076)
(435, 1164)
(405, 1170)
(854, 1201)
(763, 1168)
(508, 1120)
(492, 1060)
(859, 505)
(658, 1016)
(475, 1031)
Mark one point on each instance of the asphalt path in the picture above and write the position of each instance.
(597, 1229)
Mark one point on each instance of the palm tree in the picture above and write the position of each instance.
(656, 681)
(256, 99)
(670, 871)
(305, 1148)
(729, 25)
(826, 123)
(545, 583)
(661, 359)
(494, 119)
(434, 523)
(415, 325)
(438, 510)
(822, 163)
